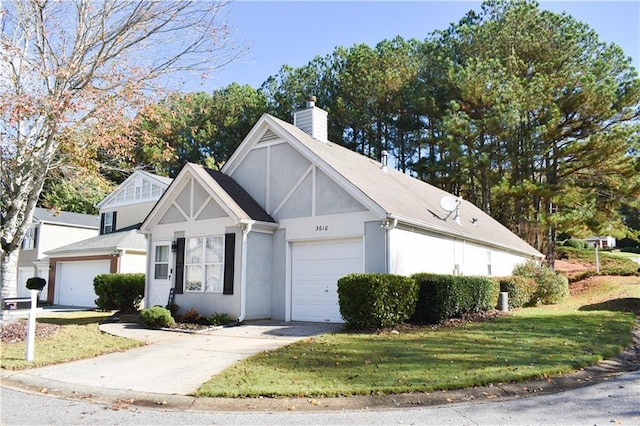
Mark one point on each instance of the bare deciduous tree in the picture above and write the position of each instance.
(65, 64)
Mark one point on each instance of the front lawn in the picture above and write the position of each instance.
(626, 255)
(78, 337)
(528, 343)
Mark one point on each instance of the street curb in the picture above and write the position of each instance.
(626, 362)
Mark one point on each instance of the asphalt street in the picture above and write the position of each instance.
(615, 401)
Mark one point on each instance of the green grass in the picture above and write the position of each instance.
(610, 263)
(626, 255)
(532, 342)
(79, 338)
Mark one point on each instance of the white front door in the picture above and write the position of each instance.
(315, 270)
(161, 272)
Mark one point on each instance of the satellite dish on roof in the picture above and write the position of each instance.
(449, 203)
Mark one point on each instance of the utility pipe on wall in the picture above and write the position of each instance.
(388, 224)
(246, 228)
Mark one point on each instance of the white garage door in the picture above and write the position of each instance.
(315, 270)
(74, 282)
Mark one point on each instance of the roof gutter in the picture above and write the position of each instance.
(246, 227)
(69, 224)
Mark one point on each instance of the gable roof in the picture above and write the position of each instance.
(231, 197)
(401, 196)
(152, 179)
(79, 220)
(125, 240)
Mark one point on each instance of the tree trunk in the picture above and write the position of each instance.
(22, 197)
(551, 247)
(9, 274)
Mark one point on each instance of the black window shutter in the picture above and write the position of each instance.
(35, 237)
(179, 270)
(113, 221)
(229, 255)
(101, 223)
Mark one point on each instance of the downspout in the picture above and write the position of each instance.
(388, 224)
(246, 228)
(147, 275)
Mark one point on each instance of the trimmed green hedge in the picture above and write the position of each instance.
(447, 296)
(630, 250)
(521, 290)
(376, 300)
(122, 292)
(576, 244)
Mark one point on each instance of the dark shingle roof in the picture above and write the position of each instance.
(240, 196)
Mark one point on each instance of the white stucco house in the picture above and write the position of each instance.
(118, 247)
(601, 241)
(269, 235)
(49, 230)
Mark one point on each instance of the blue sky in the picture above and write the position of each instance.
(293, 33)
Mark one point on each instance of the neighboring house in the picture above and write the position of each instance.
(119, 247)
(290, 212)
(48, 231)
(601, 242)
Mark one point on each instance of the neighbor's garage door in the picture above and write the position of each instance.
(315, 270)
(74, 281)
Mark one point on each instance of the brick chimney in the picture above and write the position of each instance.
(312, 120)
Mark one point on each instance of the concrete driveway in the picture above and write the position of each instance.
(171, 362)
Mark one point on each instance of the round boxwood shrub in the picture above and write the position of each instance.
(156, 317)
(36, 283)
(551, 288)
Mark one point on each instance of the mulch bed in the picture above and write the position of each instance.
(16, 331)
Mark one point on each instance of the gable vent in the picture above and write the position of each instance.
(268, 136)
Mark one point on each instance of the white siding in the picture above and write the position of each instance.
(133, 263)
(52, 236)
(413, 252)
(502, 263)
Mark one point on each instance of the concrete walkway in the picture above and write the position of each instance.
(172, 362)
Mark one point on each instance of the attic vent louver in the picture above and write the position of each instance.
(268, 136)
(312, 120)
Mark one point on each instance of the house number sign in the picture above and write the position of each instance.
(321, 228)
